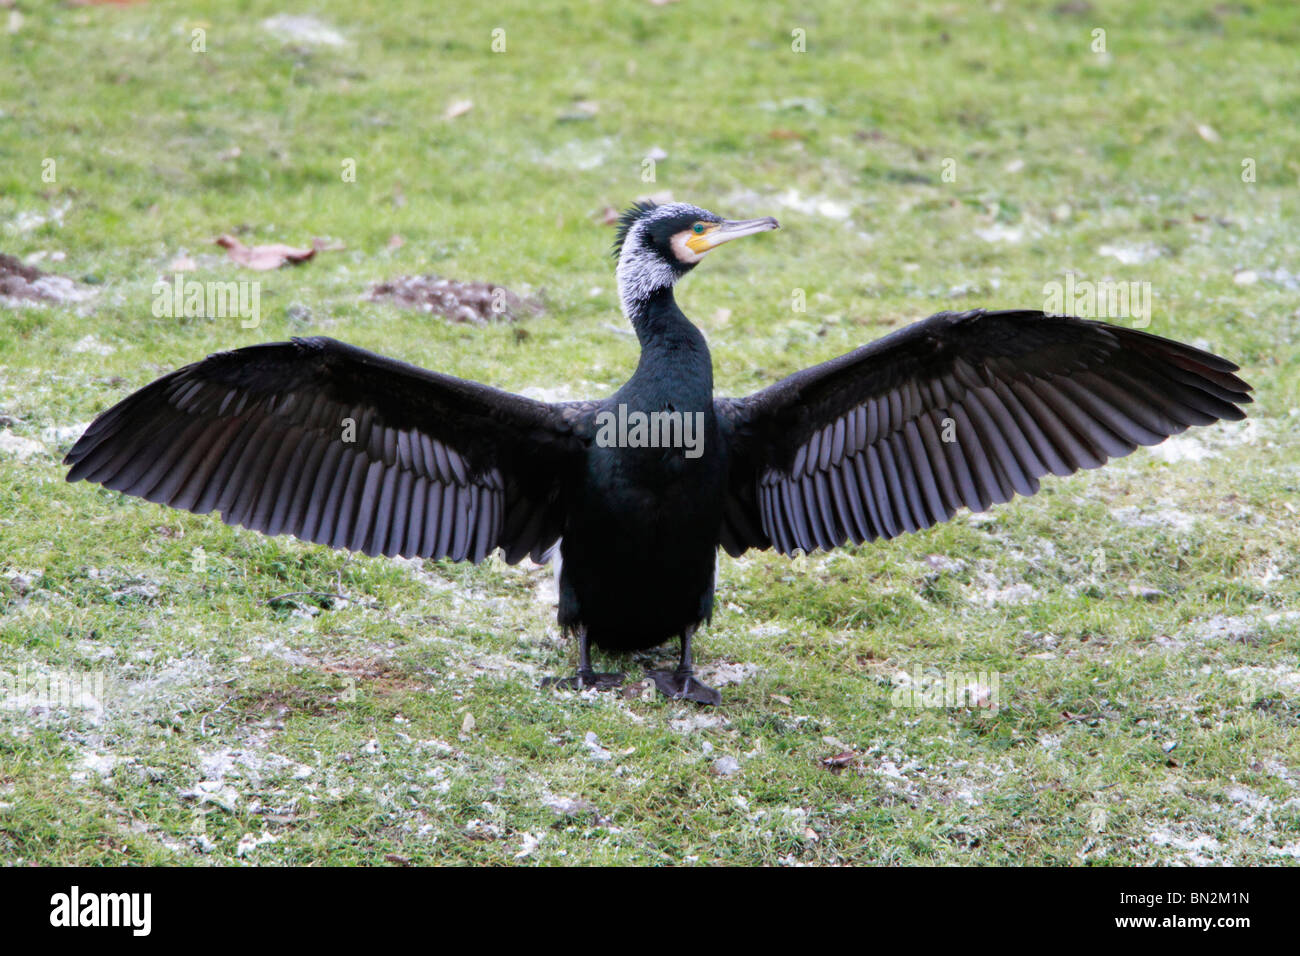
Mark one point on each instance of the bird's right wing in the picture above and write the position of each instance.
(961, 409)
(343, 447)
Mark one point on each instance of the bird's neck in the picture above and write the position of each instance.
(672, 349)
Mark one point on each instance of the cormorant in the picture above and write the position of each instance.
(340, 446)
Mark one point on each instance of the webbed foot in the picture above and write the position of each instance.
(683, 685)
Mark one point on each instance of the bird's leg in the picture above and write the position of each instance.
(586, 677)
(682, 684)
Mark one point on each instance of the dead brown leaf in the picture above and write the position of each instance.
(263, 258)
(458, 108)
(837, 762)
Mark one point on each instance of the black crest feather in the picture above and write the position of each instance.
(625, 221)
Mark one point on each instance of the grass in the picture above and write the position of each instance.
(1141, 620)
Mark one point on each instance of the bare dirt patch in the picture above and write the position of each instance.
(477, 303)
(24, 283)
(377, 677)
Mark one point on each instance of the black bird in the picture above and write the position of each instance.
(340, 446)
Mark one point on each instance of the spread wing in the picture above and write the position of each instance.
(959, 409)
(340, 446)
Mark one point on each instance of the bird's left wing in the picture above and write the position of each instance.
(338, 445)
(959, 409)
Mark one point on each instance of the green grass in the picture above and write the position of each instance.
(341, 732)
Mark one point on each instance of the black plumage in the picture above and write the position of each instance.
(343, 447)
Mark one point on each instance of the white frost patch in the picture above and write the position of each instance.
(1169, 518)
(813, 205)
(528, 846)
(303, 29)
(565, 806)
(62, 289)
(888, 768)
(726, 766)
(246, 764)
(288, 655)
(1017, 593)
(49, 290)
(685, 725)
(1181, 448)
(101, 764)
(1196, 847)
(248, 843)
(578, 154)
(1288, 280)
(1000, 232)
(1206, 443)
(28, 221)
(547, 591)
(38, 702)
(1248, 797)
(592, 743)
(724, 672)
(1221, 627)
(1131, 254)
(1267, 679)
(415, 568)
(92, 345)
(19, 447)
(63, 434)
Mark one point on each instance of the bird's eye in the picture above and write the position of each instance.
(698, 228)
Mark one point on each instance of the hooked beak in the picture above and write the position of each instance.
(730, 229)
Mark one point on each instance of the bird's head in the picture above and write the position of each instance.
(657, 245)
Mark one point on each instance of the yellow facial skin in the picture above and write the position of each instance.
(699, 238)
(691, 244)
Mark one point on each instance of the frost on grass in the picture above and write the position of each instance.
(305, 29)
(824, 207)
(1131, 253)
(721, 673)
(16, 446)
(1194, 849)
(1001, 232)
(1166, 518)
(1211, 442)
(29, 221)
(89, 345)
(578, 155)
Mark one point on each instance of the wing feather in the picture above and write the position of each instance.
(960, 410)
(340, 446)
